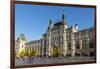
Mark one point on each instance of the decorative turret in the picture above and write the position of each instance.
(20, 43)
(63, 19)
(50, 24)
(76, 26)
(22, 37)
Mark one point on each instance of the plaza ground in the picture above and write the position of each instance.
(56, 60)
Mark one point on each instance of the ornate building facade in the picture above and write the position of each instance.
(69, 41)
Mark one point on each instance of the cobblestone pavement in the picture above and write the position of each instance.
(52, 60)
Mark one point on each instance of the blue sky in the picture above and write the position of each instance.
(33, 20)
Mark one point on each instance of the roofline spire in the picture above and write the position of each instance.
(63, 18)
(50, 21)
(63, 15)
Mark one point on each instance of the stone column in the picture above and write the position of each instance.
(72, 45)
(49, 43)
(42, 47)
(80, 43)
(64, 41)
(64, 45)
(88, 50)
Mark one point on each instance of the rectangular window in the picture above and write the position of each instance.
(77, 45)
(69, 45)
